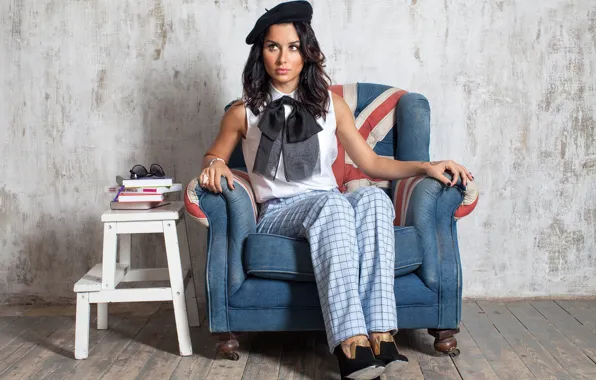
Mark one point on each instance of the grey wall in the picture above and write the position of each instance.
(89, 88)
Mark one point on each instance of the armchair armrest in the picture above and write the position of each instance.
(231, 217)
(191, 196)
(432, 209)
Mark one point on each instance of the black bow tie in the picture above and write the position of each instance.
(292, 136)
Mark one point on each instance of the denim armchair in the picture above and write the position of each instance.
(263, 282)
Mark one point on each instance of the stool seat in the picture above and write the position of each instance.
(99, 284)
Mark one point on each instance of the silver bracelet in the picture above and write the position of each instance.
(216, 159)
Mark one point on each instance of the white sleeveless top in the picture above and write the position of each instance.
(266, 189)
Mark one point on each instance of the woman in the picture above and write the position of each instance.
(288, 120)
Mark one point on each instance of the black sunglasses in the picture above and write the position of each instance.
(139, 171)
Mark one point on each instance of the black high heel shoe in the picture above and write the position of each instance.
(385, 350)
(361, 365)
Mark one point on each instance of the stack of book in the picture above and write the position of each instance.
(141, 193)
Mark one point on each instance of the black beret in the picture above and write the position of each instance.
(285, 12)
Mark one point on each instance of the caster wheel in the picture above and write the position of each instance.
(228, 346)
(454, 353)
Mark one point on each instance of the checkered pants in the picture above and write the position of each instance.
(351, 239)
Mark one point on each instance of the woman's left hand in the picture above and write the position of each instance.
(436, 169)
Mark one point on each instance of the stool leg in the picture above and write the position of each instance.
(123, 258)
(177, 285)
(110, 243)
(82, 326)
(102, 316)
(194, 317)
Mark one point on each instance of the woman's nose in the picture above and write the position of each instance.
(282, 57)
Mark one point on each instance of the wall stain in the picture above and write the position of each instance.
(189, 25)
(49, 7)
(589, 164)
(470, 119)
(16, 11)
(562, 246)
(99, 90)
(44, 252)
(16, 121)
(161, 32)
(23, 270)
(590, 215)
(412, 10)
(539, 31)
(556, 43)
(576, 66)
(563, 147)
(592, 26)
(521, 150)
(417, 55)
(348, 8)
(446, 31)
(549, 96)
(9, 206)
(583, 122)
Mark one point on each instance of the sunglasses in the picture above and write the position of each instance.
(139, 171)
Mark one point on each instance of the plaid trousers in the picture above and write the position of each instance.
(352, 247)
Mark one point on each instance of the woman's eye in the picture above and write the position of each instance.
(272, 47)
(293, 47)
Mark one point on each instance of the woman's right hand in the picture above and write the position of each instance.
(210, 177)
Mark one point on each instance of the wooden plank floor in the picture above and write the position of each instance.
(518, 340)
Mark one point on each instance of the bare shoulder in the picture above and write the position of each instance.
(340, 106)
(235, 118)
(236, 111)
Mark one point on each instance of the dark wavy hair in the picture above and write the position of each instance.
(314, 83)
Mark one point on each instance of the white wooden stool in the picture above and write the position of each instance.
(99, 284)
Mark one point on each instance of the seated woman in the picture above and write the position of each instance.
(288, 120)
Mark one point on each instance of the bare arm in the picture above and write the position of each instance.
(381, 167)
(233, 128)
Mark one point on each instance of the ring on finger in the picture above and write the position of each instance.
(204, 178)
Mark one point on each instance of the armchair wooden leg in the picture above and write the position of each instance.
(228, 345)
(445, 341)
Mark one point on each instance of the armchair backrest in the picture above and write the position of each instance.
(376, 115)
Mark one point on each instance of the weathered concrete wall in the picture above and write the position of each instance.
(89, 88)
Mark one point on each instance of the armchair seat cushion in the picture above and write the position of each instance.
(283, 258)
(260, 293)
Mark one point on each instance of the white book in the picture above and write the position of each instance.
(144, 182)
(145, 190)
(133, 197)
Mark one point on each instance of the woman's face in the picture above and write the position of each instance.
(282, 57)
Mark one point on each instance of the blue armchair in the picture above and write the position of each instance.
(262, 282)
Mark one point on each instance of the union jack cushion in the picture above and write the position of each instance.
(373, 106)
(470, 201)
